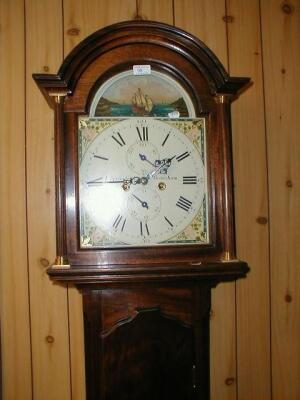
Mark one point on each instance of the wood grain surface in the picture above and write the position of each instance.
(280, 33)
(14, 293)
(255, 329)
(251, 198)
(48, 305)
(156, 10)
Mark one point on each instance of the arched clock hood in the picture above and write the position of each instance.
(130, 34)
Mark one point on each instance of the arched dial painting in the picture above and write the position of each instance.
(142, 165)
(144, 204)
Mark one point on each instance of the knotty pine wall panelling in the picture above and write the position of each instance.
(48, 302)
(156, 10)
(251, 202)
(280, 36)
(14, 293)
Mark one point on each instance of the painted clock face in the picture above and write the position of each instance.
(142, 182)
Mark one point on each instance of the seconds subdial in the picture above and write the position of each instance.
(144, 204)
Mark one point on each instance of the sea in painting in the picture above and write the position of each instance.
(139, 96)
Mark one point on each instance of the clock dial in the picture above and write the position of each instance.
(142, 182)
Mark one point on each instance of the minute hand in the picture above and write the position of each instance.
(134, 181)
(98, 182)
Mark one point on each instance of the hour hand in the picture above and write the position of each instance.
(143, 157)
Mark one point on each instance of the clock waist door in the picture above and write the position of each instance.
(147, 343)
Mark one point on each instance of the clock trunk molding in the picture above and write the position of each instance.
(144, 203)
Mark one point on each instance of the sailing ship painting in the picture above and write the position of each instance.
(139, 96)
(142, 103)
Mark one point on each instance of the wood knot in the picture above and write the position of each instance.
(228, 19)
(289, 183)
(44, 262)
(287, 8)
(288, 298)
(73, 31)
(229, 381)
(48, 191)
(283, 70)
(262, 220)
(49, 339)
(46, 68)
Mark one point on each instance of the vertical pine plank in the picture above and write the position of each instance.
(49, 316)
(281, 33)
(156, 10)
(251, 198)
(82, 18)
(204, 19)
(14, 296)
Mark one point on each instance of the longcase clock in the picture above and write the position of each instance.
(144, 204)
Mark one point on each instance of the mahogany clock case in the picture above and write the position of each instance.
(189, 62)
(146, 309)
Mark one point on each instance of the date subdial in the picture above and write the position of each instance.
(141, 157)
(144, 204)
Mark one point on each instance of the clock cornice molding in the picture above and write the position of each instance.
(139, 32)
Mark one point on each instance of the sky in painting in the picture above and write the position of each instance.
(159, 90)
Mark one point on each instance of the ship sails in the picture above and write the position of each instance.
(142, 104)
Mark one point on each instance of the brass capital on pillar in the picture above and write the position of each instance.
(222, 98)
(59, 97)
